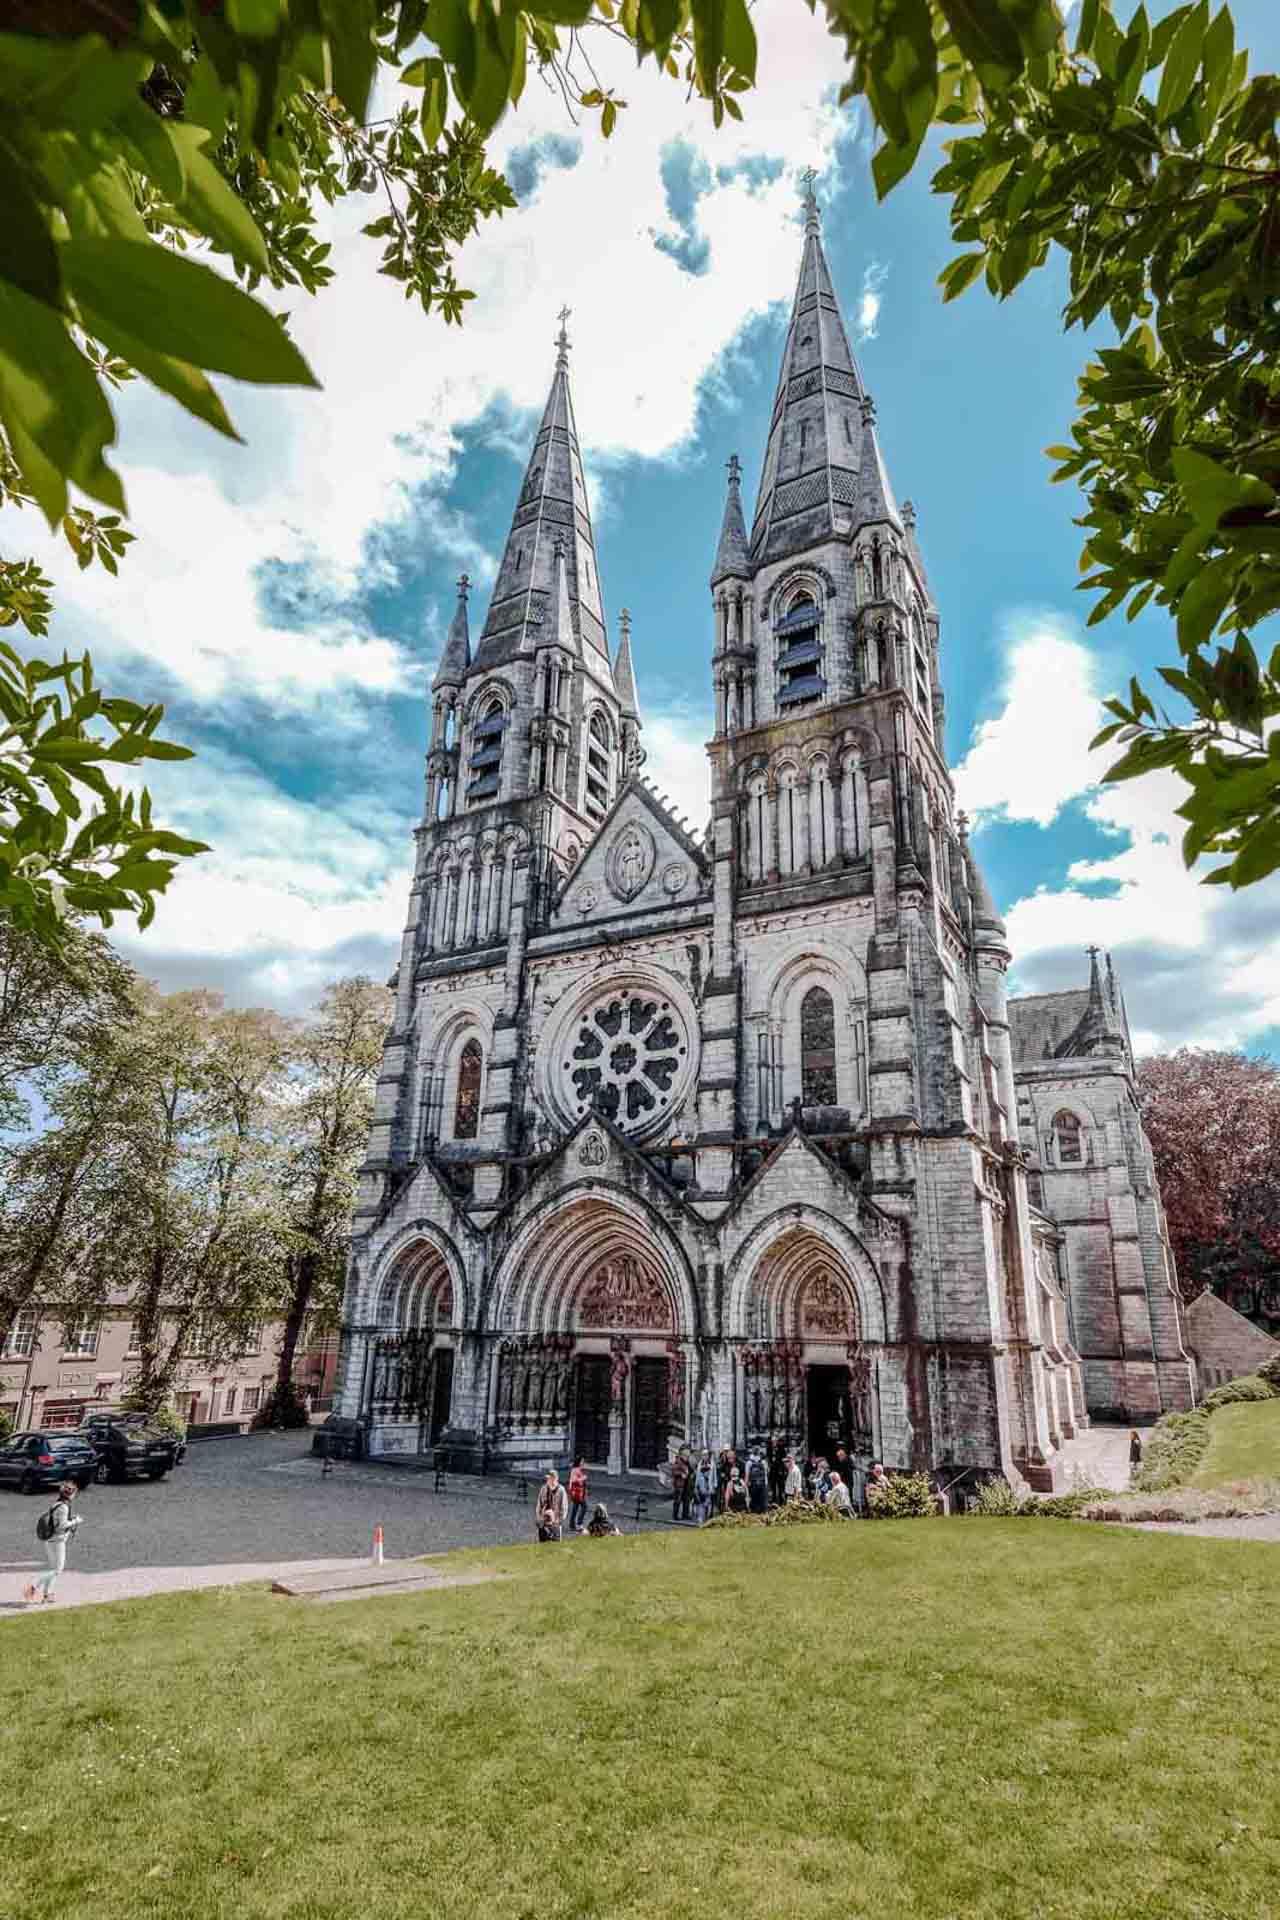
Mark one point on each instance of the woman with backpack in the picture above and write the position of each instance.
(53, 1530)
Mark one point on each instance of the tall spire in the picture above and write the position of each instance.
(732, 558)
(1098, 1030)
(456, 658)
(624, 673)
(823, 473)
(552, 506)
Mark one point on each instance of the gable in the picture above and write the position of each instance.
(641, 860)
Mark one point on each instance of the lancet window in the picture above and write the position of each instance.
(599, 780)
(1068, 1139)
(466, 1113)
(799, 641)
(486, 752)
(818, 1049)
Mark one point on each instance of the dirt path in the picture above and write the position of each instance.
(136, 1583)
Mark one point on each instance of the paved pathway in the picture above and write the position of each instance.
(1252, 1526)
(136, 1583)
(1099, 1457)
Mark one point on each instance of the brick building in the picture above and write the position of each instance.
(51, 1368)
(702, 1137)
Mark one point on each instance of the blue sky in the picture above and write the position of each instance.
(288, 599)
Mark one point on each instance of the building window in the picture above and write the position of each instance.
(1068, 1139)
(197, 1340)
(252, 1395)
(80, 1337)
(21, 1342)
(486, 753)
(599, 783)
(799, 644)
(252, 1342)
(229, 1401)
(133, 1346)
(818, 1049)
(466, 1116)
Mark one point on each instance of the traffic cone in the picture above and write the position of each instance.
(377, 1546)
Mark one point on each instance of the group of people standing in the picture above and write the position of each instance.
(555, 1505)
(769, 1476)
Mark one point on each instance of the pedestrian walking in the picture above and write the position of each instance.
(793, 1479)
(553, 1505)
(838, 1497)
(1135, 1449)
(578, 1491)
(777, 1469)
(681, 1485)
(727, 1466)
(54, 1530)
(704, 1490)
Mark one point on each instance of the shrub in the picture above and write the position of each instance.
(995, 1500)
(162, 1417)
(903, 1496)
(1251, 1386)
(1270, 1372)
(1063, 1506)
(6, 1425)
(1175, 1448)
(796, 1513)
(282, 1408)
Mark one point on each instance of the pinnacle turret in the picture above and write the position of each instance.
(455, 661)
(624, 673)
(1099, 1029)
(733, 562)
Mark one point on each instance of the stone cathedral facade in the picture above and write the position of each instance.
(700, 1136)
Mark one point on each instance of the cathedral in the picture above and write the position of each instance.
(694, 1135)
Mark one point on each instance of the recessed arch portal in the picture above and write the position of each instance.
(594, 1263)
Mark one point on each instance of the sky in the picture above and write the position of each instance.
(287, 599)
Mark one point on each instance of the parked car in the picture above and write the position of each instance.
(126, 1447)
(339, 1439)
(30, 1461)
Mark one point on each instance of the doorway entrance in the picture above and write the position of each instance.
(441, 1394)
(591, 1398)
(827, 1396)
(650, 1412)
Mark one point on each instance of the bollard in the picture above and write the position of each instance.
(377, 1546)
(642, 1508)
(522, 1488)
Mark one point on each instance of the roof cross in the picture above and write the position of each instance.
(562, 338)
(464, 586)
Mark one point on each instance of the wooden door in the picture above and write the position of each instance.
(650, 1412)
(592, 1393)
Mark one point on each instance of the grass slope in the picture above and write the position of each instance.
(906, 1721)
(1244, 1444)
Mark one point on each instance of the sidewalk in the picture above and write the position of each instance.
(136, 1583)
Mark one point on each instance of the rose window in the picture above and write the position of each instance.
(626, 1059)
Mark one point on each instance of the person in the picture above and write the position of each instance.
(728, 1466)
(793, 1480)
(578, 1495)
(600, 1524)
(704, 1490)
(877, 1478)
(777, 1469)
(553, 1504)
(55, 1547)
(821, 1479)
(735, 1495)
(844, 1467)
(1135, 1449)
(681, 1485)
(838, 1497)
(757, 1481)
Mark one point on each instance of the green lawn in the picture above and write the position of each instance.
(1244, 1443)
(903, 1720)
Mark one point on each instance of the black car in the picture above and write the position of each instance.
(29, 1461)
(125, 1447)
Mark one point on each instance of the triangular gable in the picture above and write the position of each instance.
(598, 1150)
(780, 1171)
(641, 859)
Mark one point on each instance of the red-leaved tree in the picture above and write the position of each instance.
(1213, 1119)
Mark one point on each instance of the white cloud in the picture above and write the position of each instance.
(1197, 964)
(675, 743)
(866, 322)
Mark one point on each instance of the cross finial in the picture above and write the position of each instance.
(464, 586)
(811, 222)
(962, 825)
(562, 338)
(624, 622)
(735, 470)
(1092, 951)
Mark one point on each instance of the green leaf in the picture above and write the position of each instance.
(181, 308)
(1260, 854)
(52, 407)
(178, 378)
(29, 258)
(213, 208)
(435, 99)
(987, 39)
(1182, 63)
(739, 38)
(353, 53)
(1203, 602)
(1211, 491)
(959, 274)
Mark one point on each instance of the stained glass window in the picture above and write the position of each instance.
(467, 1113)
(817, 1049)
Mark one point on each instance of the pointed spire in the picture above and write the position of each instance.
(732, 559)
(456, 658)
(909, 522)
(988, 926)
(624, 673)
(875, 499)
(552, 505)
(1098, 1030)
(558, 630)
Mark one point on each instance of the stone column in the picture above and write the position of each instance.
(770, 853)
(836, 778)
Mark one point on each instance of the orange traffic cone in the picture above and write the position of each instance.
(377, 1546)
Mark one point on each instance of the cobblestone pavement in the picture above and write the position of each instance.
(261, 1501)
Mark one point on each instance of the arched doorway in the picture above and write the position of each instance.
(408, 1390)
(593, 1361)
(807, 1376)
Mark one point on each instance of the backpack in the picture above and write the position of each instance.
(45, 1528)
(757, 1477)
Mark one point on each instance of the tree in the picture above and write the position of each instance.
(53, 1005)
(1213, 1119)
(325, 1119)
(190, 1239)
(1146, 155)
